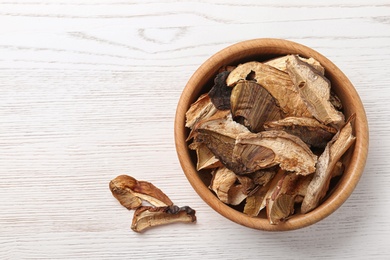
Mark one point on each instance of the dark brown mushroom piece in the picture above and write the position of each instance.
(220, 92)
(146, 217)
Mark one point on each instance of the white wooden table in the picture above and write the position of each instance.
(88, 91)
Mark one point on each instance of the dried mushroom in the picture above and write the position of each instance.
(325, 167)
(251, 102)
(309, 130)
(223, 179)
(146, 217)
(260, 130)
(289, 190)
(288, 151)
(131, 193)
(280, 63)
(219, 136)
(276, 82)
(315, 91)
(206, 159)
(220, 92)
(201, 109)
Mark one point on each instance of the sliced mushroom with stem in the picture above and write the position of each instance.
(288, 151)
(326, 164)
(315, 91)
(146, 217)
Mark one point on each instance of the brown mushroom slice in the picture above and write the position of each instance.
(263, 176)
(254, 105)
(223, 179)
(220, 92)
(280, 63)
(309, 130)
(315, 91)
(325, 166)
(130, 192)
(289, 190)
(146, 217)
(219, 136)
(289, 152)
(205, 158)
(276, 82)
(200, 109)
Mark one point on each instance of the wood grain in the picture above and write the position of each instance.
(88, 91)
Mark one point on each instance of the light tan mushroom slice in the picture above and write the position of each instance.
(120, 189)
(200, 109)
(219, 136)
(325, 166)
(276, 82)
(289, 152)
(280, 63)
(252, 103)
(205, 158)
(309, 130)
(236, 196)
(289, 190)
(130, 192)
(223, 179)
(315, 91)
(146, 217)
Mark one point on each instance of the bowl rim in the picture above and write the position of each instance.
(235, 54)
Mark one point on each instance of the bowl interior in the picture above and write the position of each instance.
(261, 50)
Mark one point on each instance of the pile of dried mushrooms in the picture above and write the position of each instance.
(131, 193)
(273, 135)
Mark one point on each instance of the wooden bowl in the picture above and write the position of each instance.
(260, 50)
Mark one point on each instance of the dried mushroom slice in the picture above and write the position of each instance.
(280, 63)
(289, 190)
(288, 151)
(325, 166)
(223, 179)
(200, 109)
(130, 192)
(206, 159)
(146, 217)
(219, 136)
(256, 201)
(276, 82)
(254, 105)
(309, 130)
(264, 176)
(220, 92)
(315, 91)
(236, 196)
